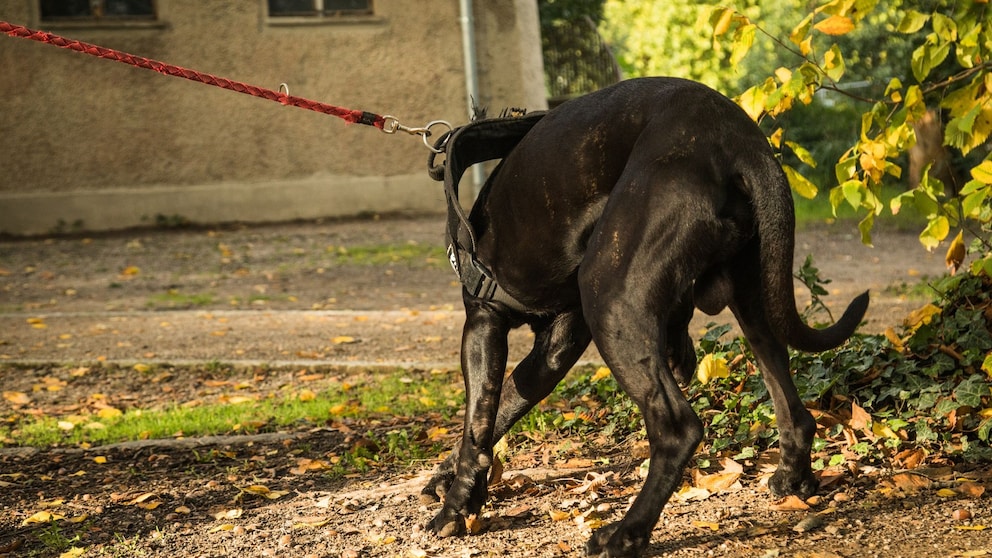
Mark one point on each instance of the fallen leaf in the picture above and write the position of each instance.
(789, 503)
(860, 419)
(17, 397)
(264, 491)
(343, 340)
(227, 514)
(224, 527)
(717, 482)
(711, 525)
(73, 552)
(42, 517)
(558, 515)
(100, 459)
(910, 483)
(971, 490)
(109, 412)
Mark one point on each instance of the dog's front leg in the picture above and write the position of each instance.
(484, 354)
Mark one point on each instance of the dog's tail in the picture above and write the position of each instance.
(774, 211)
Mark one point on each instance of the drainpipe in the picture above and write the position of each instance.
(471, 76)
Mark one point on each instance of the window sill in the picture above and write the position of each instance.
(308, 21)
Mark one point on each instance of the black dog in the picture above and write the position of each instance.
(609, 219)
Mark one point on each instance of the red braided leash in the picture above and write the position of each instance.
(350, 116)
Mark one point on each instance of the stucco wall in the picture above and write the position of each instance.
(97, 144)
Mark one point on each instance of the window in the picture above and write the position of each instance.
(97, 10)
(332, 8)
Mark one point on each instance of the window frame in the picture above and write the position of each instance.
(321, 16)
(100, 20)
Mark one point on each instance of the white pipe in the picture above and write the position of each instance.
(471, 75)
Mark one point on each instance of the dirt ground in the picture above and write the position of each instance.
(277, 301)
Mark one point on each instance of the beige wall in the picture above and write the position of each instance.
(101, 145)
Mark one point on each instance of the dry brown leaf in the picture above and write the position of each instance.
(971, 490)
(717, 482)
(860, 419)
(910, 483)
(789, 503)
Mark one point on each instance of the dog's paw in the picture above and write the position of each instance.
(791, 483)
(447, 523)
(613, 542)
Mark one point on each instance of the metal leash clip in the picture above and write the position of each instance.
(391, 125)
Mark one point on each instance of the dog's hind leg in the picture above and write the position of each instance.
(795, 423)
(635, 276)
(558, 344)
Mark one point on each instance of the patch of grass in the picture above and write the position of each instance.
(173, 298)
(400, 393)
(413, 254)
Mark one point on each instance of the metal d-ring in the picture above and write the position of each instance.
(391, 125)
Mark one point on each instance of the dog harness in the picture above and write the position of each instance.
(478, 141)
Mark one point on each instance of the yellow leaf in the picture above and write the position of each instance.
(17, 397)
(894, 339)
(262, 490)
(835, 25)
(921, 316)
(183, 510)
(142, 367)
(143, 498)
(946, 493)
(722, 24)
(73, 552)
(149, 505)
(970, 527)
(307, 395)
(955, 253)
(224, 527)
(712, 367)
(131, 271)
(558, 515)
(42, 517)
(601, 374)
(109, 412)
(343, 340)
(882, 430)
(100, 459)
(711, 525)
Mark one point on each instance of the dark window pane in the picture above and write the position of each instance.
(129, 8)
(291, 7)
(335, 6)
(65, 8)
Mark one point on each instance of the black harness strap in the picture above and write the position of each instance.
(479, 141)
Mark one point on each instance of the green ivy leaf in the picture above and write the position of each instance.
(970, 391)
